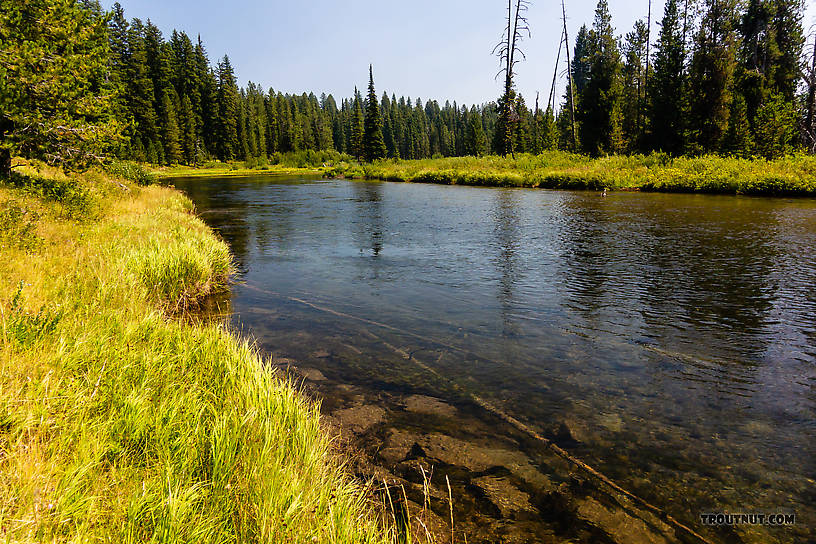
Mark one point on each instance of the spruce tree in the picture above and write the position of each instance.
(776, 127)
(634, 86)
(373, 141)
(738, 140)
(226, 113)
(171, 135)
(667, 87)
(357, 127)
(600, 110)
(476, 142)
(56, 97)
(189, 135)
(712, 76)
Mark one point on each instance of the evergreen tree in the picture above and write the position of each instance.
(170, 130)
(667, 85)
(776, 127)
(788, 36)
(549, 131)
(712, 75)
(189, 133)
(634, 86)
(373, 141)
(738, 140)
(226, 113)
(55, 94)
(357, 127)
(476, 142)
(600, 111)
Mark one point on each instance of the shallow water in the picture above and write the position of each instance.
(669, 340)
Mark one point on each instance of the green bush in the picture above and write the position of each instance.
(131, 171)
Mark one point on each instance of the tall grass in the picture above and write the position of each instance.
(559, 170)
(121, 424)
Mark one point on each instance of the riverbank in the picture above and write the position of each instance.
(792, 176)
(121, 422)
(227, 169)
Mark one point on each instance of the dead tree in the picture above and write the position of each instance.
(810, 102)
(510, 54)
(569, 72)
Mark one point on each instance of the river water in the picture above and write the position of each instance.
(669, 341)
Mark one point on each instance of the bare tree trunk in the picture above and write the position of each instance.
(569, 72)
(646, 77)
(810, 124)
(551, 100)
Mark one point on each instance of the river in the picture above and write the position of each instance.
(668, 341)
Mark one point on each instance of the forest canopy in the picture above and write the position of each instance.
(80, 85)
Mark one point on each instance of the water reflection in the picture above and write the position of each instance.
(507, 234)
(369, 220)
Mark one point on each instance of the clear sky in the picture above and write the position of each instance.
(438, 49)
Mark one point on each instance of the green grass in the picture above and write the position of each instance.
(290, 163)
(121, 423)
(559, 170)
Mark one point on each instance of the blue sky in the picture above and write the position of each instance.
(424, 48)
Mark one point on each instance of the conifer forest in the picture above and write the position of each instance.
(721, 76)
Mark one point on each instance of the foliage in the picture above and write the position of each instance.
(373, 141)
(601, 113)
(654, 172)
(130, 171)
(55, 96)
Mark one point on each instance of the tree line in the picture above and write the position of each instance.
(78, 84)
(725, 76)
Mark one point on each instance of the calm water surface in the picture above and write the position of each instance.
(673, 335)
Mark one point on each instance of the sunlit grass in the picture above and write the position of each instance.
(119, 423)
(560, 170)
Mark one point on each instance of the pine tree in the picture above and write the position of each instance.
(476, 142)
(776, 127)
(226, 113)
(357, 127)
(667, 86)
(55, 94)
(738, 140)
(373, 141)
(712, 75)
(600, 111)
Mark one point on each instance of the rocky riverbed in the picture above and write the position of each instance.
(506, 486)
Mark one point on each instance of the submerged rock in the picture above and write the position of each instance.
(428, 405)
(360, 418)
(507, 498)
(312, 374)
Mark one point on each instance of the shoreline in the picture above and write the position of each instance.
(789, 177)
(121, 420)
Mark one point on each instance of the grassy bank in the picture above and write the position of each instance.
(227, 169)
(560, 170)
(308, 162)
(120, 422)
